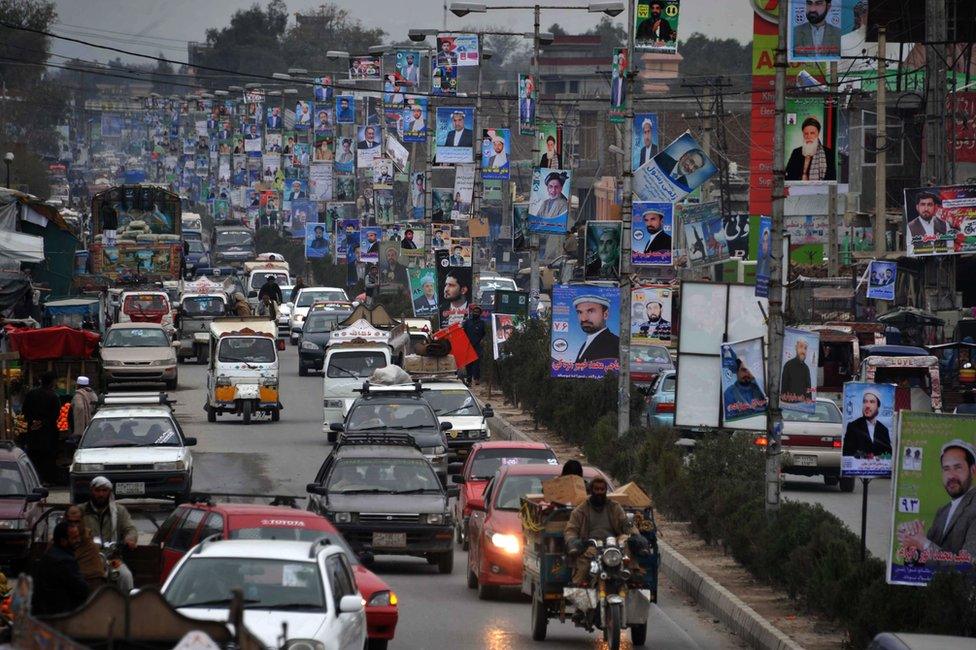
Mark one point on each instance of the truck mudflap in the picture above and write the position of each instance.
(637, 607)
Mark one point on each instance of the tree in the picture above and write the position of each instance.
(252, 43)
(707, 58)
(612, 34)
(326, 28)
(556, 30)
(162, 75)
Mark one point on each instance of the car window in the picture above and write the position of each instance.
(136, 337)
(306, 298)
(667, 384)
(513, 488)
(203, 306)
(323, 322)
(370, 415)
(264, 583)
(247, 349)
(258, 279)
(30, 475)
(355, 365)
(149, 303)
(234, 238)
(287, 534)
(823, 412)
(393, 475)
(11, 481)
(183, 536)
(162, 535)
(195, 245)
(452, 402)
(131, 432)
(213, 526)
(488, 461)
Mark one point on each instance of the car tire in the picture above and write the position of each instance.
(846, 483)
(302, 371)
(246, 412)
(487, 592)
(211, 414)
(831, 480)
(275, 415)
(445, 563)
(377, 644)
(472, 579)
(638, 635)
(540, 621)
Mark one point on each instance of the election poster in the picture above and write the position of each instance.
(618, 84)
(869, 412)
(303, 115)
(495, 149)
(651, 234)
(644, 145)
(810, 150)
(763, 256)
(704, 233)
(320, 181)
(940, 220)
(457, 50)
(423, 292)
(585, 331)
(370, 238)
(345, 108)
(650, 321)
(602, 256)
(462, 200)
(441, 203)
(460, 251)
(302, 212)
(502, 326)
(549, 200)
(454, 135)
(367, 146)
(414, 242)
(322, 88)
(743, 380)
(674, 172)
(397, 153)
(345, 157)
(881, 280)
(443, 79)
(798, 379)
(526, 93)
(415, 120)
(656, 25)
(550, 137)
(365, 67)
(520, 227)
(317, 244)
(934, 513)
(440, 236)
(815, 29)
(408, 65)
(453, 290)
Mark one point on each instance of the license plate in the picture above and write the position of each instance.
(130, 488)
(389, 540)
(805, 461)
(462, 452)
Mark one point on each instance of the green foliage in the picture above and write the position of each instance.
(704, 58)
(251, 43)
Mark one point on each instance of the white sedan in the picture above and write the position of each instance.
(306, 297)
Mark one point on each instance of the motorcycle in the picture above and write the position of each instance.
(111, 553)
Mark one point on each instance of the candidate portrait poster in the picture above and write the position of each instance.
(370, 238)
(347, 237)
(458, 50)
(644, 145)
(302, 212)
(415, 120)
(365, 67)
(443, 79)
(868, 435)
(763, 256)
(798, 379)
(650, 320)
(423, 292)
(934, 463)
(549, 200)
(454, 135)
(618, 84)
(656, 25)
(368, 146)
(453, 290)
(408, 65)
(652, 232)
(814, 29)
(317, 243)
(674, 172)
(743, 380)
(462, 200)
(602, 255)
(496, 145)
(442, 203)
(881, 280)
(526, 93)
(323, 88)
(502, 327)
(320, 181)
(809, 146)
(704, 232)
(940, 220)
(550, 138)
(345, 109)
(585, 341)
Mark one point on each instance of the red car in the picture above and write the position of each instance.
(192, 522)
(495, 543)
(483, 461)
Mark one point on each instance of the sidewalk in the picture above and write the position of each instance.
(766, 618)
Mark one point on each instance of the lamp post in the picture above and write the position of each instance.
(8, 158)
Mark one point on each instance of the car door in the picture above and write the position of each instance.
(33, 511)
(180, 539)
(462, 493)
(315, 500)
(349, 628)
(476, 527)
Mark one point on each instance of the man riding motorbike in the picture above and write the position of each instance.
(110, 522)
(595, 518)
(269, 297)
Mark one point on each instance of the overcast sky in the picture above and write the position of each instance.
(152, 26)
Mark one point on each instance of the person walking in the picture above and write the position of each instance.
(299, 285)
(40, 409)
(82, 405)
(474, 327)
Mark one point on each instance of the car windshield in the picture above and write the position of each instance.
(355, 365)
(382, 474)
(306, 298)
(370, 415)
(823, 412)
(649, 354)
(247, 349)
(136, 337)
(148, 303)
(290, 534)
(131, 432)
(258, 279)
(266, 584)
(324, 321)
(496, 283)
(234, 238)
(203, 306)
(195, 246)
(11, 481)
(487, 461)
(452, 402)
(513, 488)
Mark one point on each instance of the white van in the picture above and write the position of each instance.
(346, 367)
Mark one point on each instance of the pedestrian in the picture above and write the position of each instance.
(241, 308)
(299, 285)
(474, 327)
(82, 405)
(41, 408)
(58, 585)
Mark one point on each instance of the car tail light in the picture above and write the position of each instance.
(665, 407)
(761, 441)
(641, 376)
(836, 443)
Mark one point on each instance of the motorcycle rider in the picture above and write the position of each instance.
(595, 518)
(110, 522)
(86, 551)
(270, 297)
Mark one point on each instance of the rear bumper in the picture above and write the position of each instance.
(811, 461)
(311, 359)
(158, 484)
(421, 539)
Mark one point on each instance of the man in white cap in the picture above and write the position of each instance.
(110, 522)
(82, 405)
(600, 343)
(866, 437)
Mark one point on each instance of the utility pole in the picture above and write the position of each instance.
(626, 215)
(478, 182)
(774, 420)
(534, 237)
(934, 169)
(881, 148)
(833, 263)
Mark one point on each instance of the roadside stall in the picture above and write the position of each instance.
(77, 313)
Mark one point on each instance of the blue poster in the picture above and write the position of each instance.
(881, 280)
(585, 331)
(743, 380)
(764, 256)
(869, 414)
(549, 200)
(317, 242)
(651, 236)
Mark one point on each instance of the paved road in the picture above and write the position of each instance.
(435, 611)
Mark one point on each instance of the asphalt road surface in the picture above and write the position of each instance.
(436, 611)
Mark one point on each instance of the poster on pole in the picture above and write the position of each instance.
(881, 280)
(397, 153)
(495, 149)
(650, 321)
(368, 146)
(549, 200)
(320, 181)
(550, 137)
(743, 381)
(940, 220)
(585, 331)
(602, 256)
(815, 28)
(365, 67)
(317, 244)
(674, 172)
(423, 292)
(764, 256)
(644, 144)
(652, 243)
(526, 93)
(618, 84)
(455, 135)
(463, 198)
(459, 50)
(345, 108)
(502, 326)
(408, 65)
(370, 238)
(798, 380)
(810, 149)
(704, 232)
(454, 291)
(415, 120)
(869, 412)
(656, 25)
(933, 519)
(520, 227)
(443, 79)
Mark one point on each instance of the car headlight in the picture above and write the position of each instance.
(342, 517)
(510, 544)
(333, 403)
(110, 363)
(269, 382)
(612, 557)
(88, 467)
(433, 451)
(160, 362)
(383, 599)
(304, 644)
(174, 466)
(435, 518)
(12, 524)
(308, 345)
(485, 433)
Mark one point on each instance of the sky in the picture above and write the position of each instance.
(153, 26)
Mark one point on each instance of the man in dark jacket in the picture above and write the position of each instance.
(40, 409)
(58, 585)
(866, 437)
(474, 327)
(795, 383)
(595, 518)
(270, 290)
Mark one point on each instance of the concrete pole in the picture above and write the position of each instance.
(881, 144)
(626, 216)
(534, 237)
(833, 263)
(934, 169)
(478, 183)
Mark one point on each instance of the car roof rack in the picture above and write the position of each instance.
(378, 437)
(136, 399)
(414, 386)
(287, 500)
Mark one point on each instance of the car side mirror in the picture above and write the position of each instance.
(453, 491)
(487, 411)
(37, 494)
(314, 488)
(191, 442)
(457, 479)
(446, 426)
(336, 426)
(175, 345)
(352, 604)
(477, 503)
(332, 437)
(454, 468)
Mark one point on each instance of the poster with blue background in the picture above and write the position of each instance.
(881, 280)
(585, 339)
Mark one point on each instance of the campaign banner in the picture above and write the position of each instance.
(743, 380)
(815, 29)
(322, 120)
(443, 79)
(370, 238)
(520, 227)
(322, 88)
(317, 244)
(601, 259)
(382, 174)
(408, 65)
(527, 100)
(656, 25)
(397, 153)
(644, 145)
(549, 200)
(320, 181)
(453, 289)
(414, 241)
(345, 108)
(454, 135)
(869, 412)
(798, 380)
(303, 115)
(440, 237)
(704, 233)
(462, 201)
(460, 251)
(347, 237)
(367, 146)
(618, 84)
(302, 212)
(550, 138)
(650, 320)
(365, 67)
(441, 203)
(418, 195)
(674, 172)
(763, 256)
(881, 280)
(935, 462)
(495, 149)
(324, 150)
(809, 146)
(651, 234)
(502, 326)
(423, 292)
(415, 120)
(940, 220)
(585, 331)
(457, 50)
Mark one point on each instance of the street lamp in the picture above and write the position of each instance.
(281, 75)
(420, 35)
(7, 159)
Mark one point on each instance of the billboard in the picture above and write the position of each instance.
(940, 220)
(656, 25)
(585, 331)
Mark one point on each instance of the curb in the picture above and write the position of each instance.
(718, 601)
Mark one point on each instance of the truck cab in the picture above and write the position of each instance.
(232, 245)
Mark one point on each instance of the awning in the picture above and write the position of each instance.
(19, 247)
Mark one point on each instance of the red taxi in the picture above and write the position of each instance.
(481, 464)
(495, 543)
(192, 522)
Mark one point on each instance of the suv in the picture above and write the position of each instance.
(303, 302)
(305, 588)
(141, 449)
(398, 409)
(22, 503)
(385, 498)
(455, 404)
